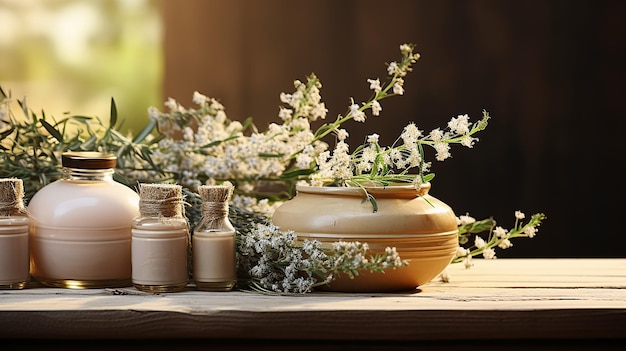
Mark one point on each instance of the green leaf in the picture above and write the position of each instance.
(53, 131)
(428, 177)
(113, 119)
(145, 131)
(296, 173)
(217, 142)
(82, 119)
(322, 129)
(477, 226)
(369, 197)
(7, 132)
(247, 123)
(146, 154)
(88, 145)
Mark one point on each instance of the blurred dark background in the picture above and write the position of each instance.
(550, 72)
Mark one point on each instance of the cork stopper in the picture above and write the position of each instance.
(12, 197)
(156, 200)
(215, 193)
(215, 200)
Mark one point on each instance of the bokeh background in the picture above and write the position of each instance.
(551, 74)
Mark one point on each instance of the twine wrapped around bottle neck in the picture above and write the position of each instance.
(161, 200)
(12, 197)
(215, 201)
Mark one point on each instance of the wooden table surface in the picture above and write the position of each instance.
(495, 300)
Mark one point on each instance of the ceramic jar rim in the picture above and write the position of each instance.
(397, 189)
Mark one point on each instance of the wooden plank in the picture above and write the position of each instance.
(518, 298)
(534, 273)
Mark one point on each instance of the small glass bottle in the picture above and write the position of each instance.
(81, 225)
(213, 241)
(160, 241)
(14, 222)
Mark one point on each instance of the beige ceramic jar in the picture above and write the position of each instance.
(422, 228)
(80, 234)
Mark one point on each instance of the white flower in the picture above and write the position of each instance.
(171, 104)
(436, 134)
(520, 215)
(465, 219)
(468, 141)
(479, 242)
(357, 114)
(500, 232)
(285, 98)
(153, 113)
(373, 138)
(460, 124)
(398, 89)
(530, 231)
(376, 108)
(406, 49)
(375, 85)
(505, 244)
(199, 99)
(411, 134)
(461, 252)
(443, 151)
(489, 254)
(392, 68)
(285, 113)
(342, 134)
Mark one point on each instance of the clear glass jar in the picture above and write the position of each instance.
(81, 225)
(213, 241)
(160, 240)
(14, 223)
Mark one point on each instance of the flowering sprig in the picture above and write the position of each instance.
(202, 145)
(274, 261)
(373, 164)
(498, 237)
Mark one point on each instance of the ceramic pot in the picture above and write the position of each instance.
(422, 228)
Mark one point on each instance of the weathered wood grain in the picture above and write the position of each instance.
(506, 299)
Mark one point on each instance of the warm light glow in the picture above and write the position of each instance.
(75, 55)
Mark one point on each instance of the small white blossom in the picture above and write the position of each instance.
(375, 85)
(443, 151)
(505, 244)
(285, 113)
(461, 252)
(500, 232)
(436, 134)
(530, 231)
(376, 108)
(406, 49)
(460, 124)
(465, 219)
(373, 138)
(468, 141)
(398, 89)
(489, 254)
(357, 114)
(392, 68)
(479, 242)
(199, 99)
